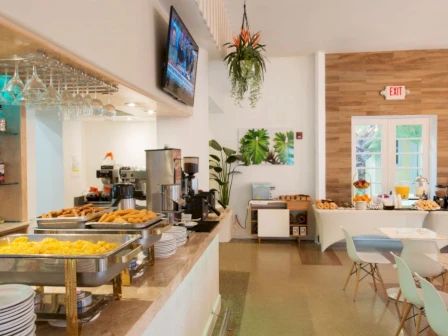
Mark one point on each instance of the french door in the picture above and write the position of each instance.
(390, 151)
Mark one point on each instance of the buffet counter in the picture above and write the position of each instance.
(8, 228)
(176, 296)
(368, 222)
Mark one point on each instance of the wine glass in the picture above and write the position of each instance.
(15, 87)
(67, 102)
(97, 106)
(109, 109)
(88, 109)
(35, 90)
(5, 97)
(78, 102)
(52, 97)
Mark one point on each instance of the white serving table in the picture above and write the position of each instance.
(438, 221)
(362, 222)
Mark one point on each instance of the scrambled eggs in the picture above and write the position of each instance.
(23, 245)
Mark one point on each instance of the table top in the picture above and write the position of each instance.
(411, 233)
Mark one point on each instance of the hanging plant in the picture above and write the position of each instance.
(246, 64)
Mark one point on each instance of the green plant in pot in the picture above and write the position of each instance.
(223, 168)
(246, 64)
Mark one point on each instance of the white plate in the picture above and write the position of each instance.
(17, 324)
(27, 305)
(164, 255)
(11, 295)
(190, 224)
(16, 315)
(27, 330)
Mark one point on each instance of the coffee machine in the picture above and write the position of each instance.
(197, 203)
(163, 169)
(109, 176)
(135, 177)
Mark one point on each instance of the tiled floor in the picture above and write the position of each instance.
(294, 291)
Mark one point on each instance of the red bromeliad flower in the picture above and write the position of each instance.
(246, 39)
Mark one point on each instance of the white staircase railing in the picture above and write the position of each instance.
(215, 16)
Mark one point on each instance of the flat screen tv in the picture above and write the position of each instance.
(179, 76)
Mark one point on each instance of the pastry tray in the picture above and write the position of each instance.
(106, 225)
(69, 222)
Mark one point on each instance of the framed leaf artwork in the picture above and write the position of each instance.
(260, 146)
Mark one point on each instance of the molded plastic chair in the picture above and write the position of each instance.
(435, 307)
(415, 255)
(410, 292)
(366, 262)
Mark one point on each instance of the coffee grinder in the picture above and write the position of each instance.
(189, 181)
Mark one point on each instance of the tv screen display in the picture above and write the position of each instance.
(179, 77)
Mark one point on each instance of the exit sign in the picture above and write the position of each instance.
(394, 92)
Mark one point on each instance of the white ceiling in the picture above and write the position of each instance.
(293, 27)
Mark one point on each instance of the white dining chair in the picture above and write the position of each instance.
(364, 264)
(435, 307)
(411, 294)
(416, 252)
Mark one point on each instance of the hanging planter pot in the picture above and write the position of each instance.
(246, 64)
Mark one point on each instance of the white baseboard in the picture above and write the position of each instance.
(211, 322)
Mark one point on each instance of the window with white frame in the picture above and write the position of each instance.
(390, 151)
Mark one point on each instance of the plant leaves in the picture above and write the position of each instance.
(228, 151)
(231, 159)
(284, 147)
(217, 169)
(215, 157)
(221, 183)
(215, 145)
(254, 146)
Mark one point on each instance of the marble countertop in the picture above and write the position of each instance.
(12, 227)
(147, 295)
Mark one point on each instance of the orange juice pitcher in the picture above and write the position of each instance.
(402, 190)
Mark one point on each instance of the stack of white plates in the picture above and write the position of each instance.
(166, 246)
(180, 233)
(17, 310)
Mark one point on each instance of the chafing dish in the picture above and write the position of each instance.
(69, 222)
(125, 226)
(48, 270)
(148, 236)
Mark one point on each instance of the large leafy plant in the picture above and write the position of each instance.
(284, 146)
(223, 168)
(246, 64)
(254, 146)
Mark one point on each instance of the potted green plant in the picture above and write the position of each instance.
(223, 168)
(246, 64)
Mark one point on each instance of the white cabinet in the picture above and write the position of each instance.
(273, 223)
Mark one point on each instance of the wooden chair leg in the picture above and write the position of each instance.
(380, 278)
(349, 276)
(406, 311)
(419, 321)
(372, 270)
(358, 275)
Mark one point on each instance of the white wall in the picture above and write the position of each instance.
(126, 140)
(191, 134)
(46, 147)
(287, 102)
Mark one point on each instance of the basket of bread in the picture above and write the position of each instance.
(326, 205)
(126, 219)
(427, 205)
(70, 218)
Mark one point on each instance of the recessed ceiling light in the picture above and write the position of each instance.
(150, 112)
(131, 104)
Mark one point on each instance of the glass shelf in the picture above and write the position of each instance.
(8, 183)
(8, 133)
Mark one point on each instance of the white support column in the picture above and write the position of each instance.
(320, 125)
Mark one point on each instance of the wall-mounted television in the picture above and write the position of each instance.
(179, 75)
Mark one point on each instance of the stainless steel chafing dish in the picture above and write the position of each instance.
(69, 222)
(148, 236)
(48, 270)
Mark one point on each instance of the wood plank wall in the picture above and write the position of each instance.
(353, 83)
